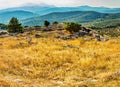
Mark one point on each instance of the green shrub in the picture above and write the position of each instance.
(72, 27)
(46, 23)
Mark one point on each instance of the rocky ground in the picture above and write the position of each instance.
(59, 59)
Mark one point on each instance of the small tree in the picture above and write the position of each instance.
(46, 23)
(14, 26)
(54, 23)
(72, 27)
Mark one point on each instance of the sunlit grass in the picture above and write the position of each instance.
(49, 62)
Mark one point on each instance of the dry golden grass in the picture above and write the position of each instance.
(49, 62)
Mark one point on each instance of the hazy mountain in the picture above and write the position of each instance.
(72, 16)
(45, 9)
(79, 8)
(6, 16)
(30, 8)
(25, 12)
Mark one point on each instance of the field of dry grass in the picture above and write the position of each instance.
(50, 62)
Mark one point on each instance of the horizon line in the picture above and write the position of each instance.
(56, 6)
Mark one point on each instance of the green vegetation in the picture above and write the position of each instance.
(37, 26)
(3, 26)
(112, 32)
(72, 27)
(103, 23)
(33, 11)
(14, 26)
(73, 16)
(110, 27)
(55, 22)
(46, 23)
(49, 56)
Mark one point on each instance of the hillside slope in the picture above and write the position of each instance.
(24, 12)
(72, 16)
(50, 62)
(20, 14)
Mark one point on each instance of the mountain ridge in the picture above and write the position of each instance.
(20, 14)
(42, 10)
(71, 16)
(38, 8)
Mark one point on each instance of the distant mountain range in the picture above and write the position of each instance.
(45, 9)
(33, 14)
(72, 16)
(79, 8)
(6, 16)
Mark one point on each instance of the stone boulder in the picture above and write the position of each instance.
(37, 36)
(81, 33)
(3, 32)
(13, 34)
(97, 37)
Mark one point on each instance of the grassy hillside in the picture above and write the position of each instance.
(73, 16)
(104, 23)
(50, 62)
(109, 27)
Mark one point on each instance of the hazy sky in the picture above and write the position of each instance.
(16, 3)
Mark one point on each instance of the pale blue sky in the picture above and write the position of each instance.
(17, 3)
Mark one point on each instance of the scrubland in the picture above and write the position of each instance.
(51, 62)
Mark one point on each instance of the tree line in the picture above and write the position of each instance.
(15, 26)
